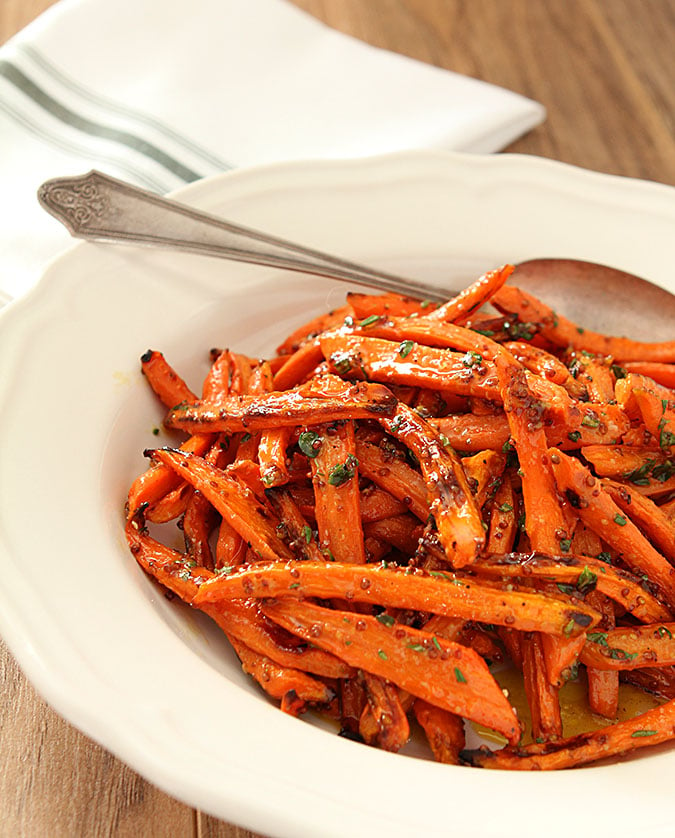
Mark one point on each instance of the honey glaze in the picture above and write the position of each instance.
(577, 716)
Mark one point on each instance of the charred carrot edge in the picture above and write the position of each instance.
(278, 680)
(392, 729)
(445, 674)
(544, 520)
(438, 592)
(335, 475)
(236, 505)
(416, 365)
(634, 647)
(460, 526)
(542, 697)
(579, 575)
(164, 380)
(239, 619)
(646, 515)
(564, 333)
(291, 407)
(472, 298)
(646, 730)
(599, 512)
(389, 471)
(444, 731)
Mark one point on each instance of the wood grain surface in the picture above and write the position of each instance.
(604, 70)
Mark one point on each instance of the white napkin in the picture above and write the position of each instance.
(162, 92)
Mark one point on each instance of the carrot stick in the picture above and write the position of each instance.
(198, 522)
(238, 619)
(599, 512)
(577, 575)
(377, 504)
(386, 467)
(542, 697)
(503, 520)
(164, 380)
(483, 471)
(663, 374)
(460, 526)
(230, 546)
(389, 304)
(416, 365)
(545, 523)
(401, 531)
(647, 729)
(235, 504)
(562, 332)
(272, 455)
(472, 298)
(646, 515)
(280, 681)
(633, 647)
(335, 477)
(292, 407)
(312, 328)
(437, 592)
(388, 713)
(444, 731)
(603, 685)
(217, 383)
(299, 365)
(445, 674)
(171, 506)
(301, 537)
(546, 365)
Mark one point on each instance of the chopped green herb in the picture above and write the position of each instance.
(587, 581)
(590, 420)
(309, 442)
(471, 358)
(406, 348)
(637, 733)
(381, 653)
(619, 372)
(565, 588)
(505, 507)
(569, 628)
(604, 557)
(620, 520)
(368, 321)
(459, 676)
(294, 585)
(246, 437)
(487, 333)
(416, 647)
(425, 303)
(574, 436)
(343, 472)
(155, 431)
(386, 620)
(565, 544)
(663, 632)
(434, 640)
(307, 532)
(225, 570)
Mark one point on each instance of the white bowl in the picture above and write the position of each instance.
(148, 678)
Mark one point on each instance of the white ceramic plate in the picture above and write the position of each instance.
(149, 679)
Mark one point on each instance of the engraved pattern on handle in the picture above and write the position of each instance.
(98, 207)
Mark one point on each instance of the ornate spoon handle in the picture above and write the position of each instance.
(100, 208)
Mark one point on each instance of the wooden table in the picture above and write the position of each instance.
(604, 70)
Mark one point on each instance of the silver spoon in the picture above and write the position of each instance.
(101, 208)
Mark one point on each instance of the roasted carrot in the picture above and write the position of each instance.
(646, 730)
(460, 526)
(387, 467)
(234, 503)
(542, 696)
(293, 407)
(663, 374)
(438, 592)
(164, 380)
(335, 476)
(444, 731)
(562, 332)
(392, 730)
(599, 512)
(632, 647)
(472, 298)
(646, 515)
(445, 674)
